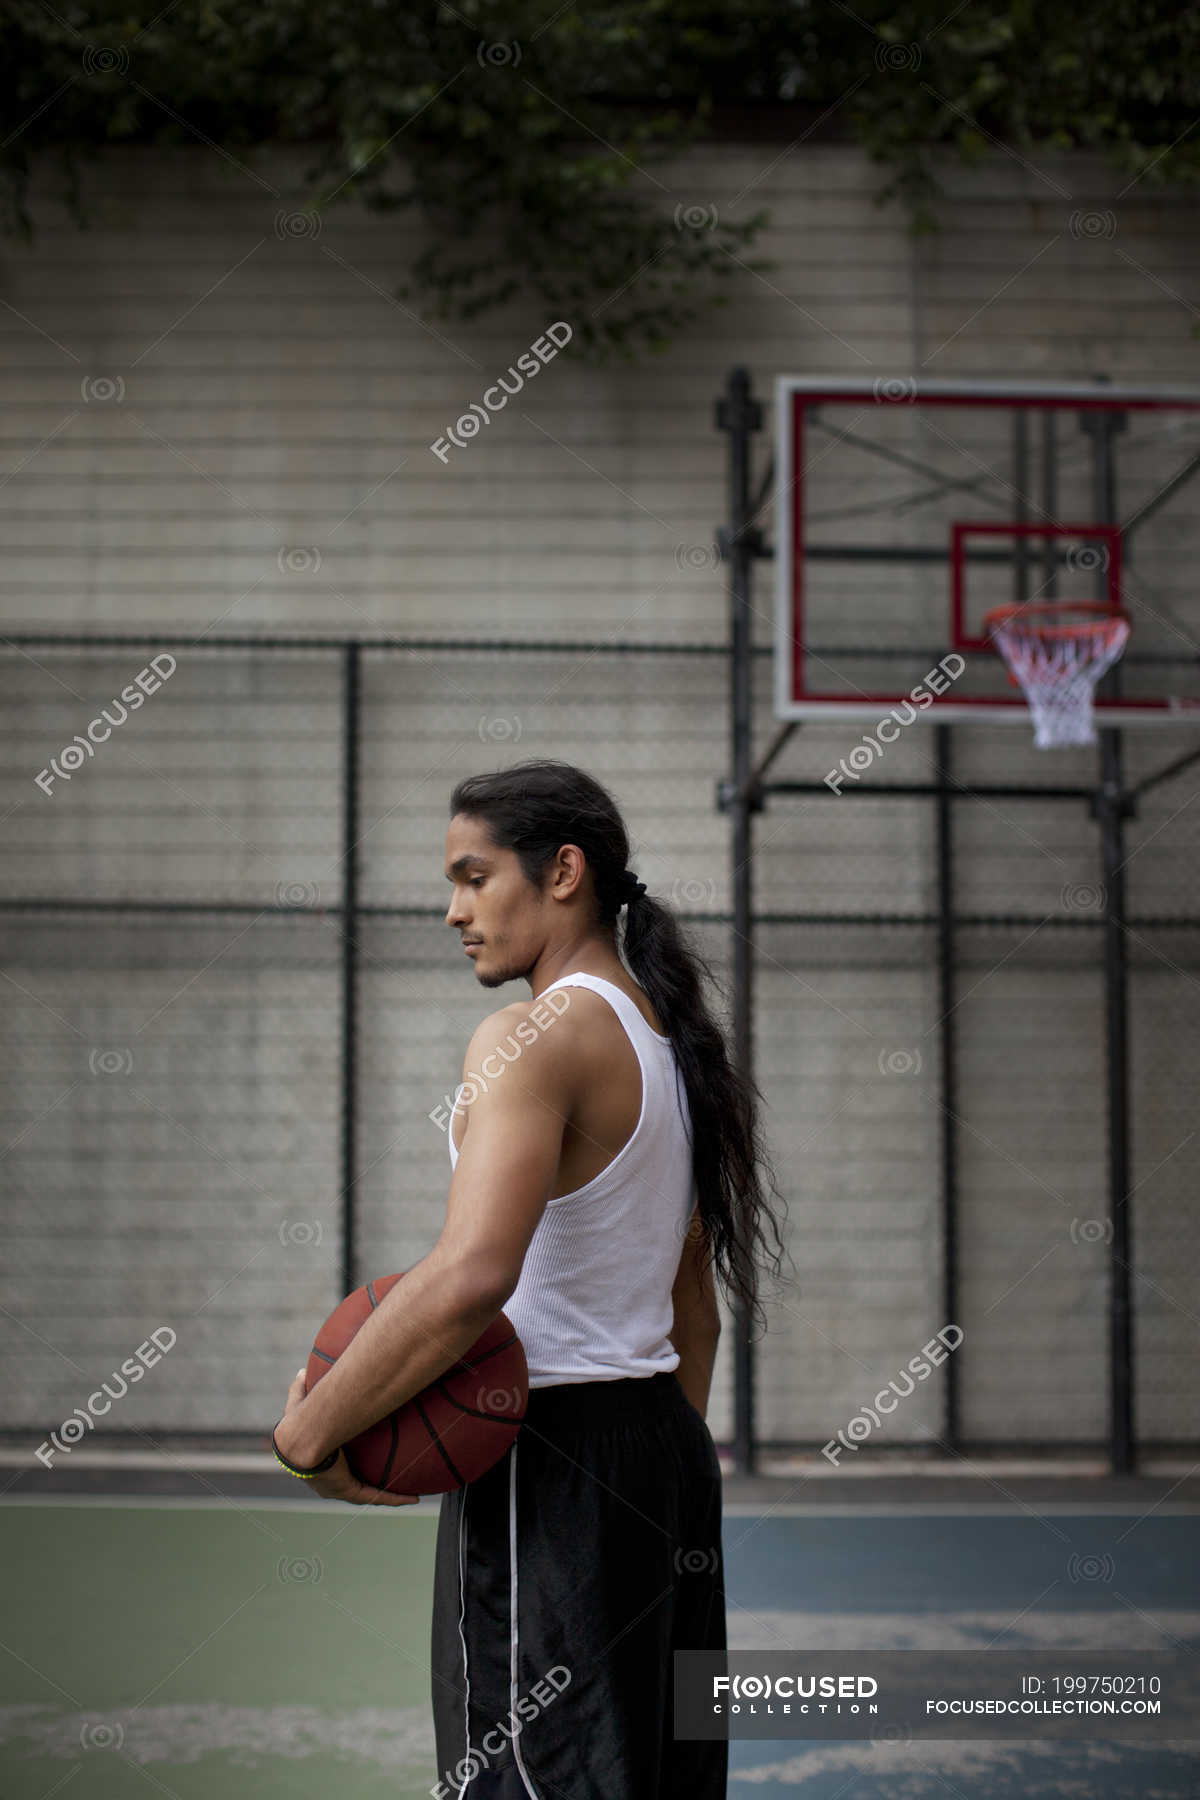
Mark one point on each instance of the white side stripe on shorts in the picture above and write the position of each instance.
(462, 1613)
(512, 1568)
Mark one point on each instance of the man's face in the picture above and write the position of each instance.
(493, 906)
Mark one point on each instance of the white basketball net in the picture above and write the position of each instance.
(1058, 666)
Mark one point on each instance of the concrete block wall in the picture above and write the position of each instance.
(211, 430)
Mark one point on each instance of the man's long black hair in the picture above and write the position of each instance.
(533, 808)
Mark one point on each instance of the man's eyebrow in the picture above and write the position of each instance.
(461, 864)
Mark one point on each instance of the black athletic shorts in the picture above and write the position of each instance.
(566, 1577)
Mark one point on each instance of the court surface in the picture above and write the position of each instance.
(227, 1638)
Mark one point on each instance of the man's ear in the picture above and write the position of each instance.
(569, 867)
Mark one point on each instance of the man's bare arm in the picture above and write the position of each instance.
(696, 1324)
(502, 1180)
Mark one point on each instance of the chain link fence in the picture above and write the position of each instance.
(204, 1135)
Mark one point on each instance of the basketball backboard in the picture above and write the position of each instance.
(906, 510)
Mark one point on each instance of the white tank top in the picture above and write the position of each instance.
(593, 1302)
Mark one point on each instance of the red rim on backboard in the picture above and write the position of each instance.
(1057, 663)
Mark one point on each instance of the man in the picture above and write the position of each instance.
(569, 1574)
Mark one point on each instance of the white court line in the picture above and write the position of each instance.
(257, 1462)
(972, 1469)
(430, 1506)
(958, 1509)
(427, 1508)
(233, 1462)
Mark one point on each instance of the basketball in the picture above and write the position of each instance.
(450, 1433)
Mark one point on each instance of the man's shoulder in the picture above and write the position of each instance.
(558, 1012)
(525, 1019)
(540, 1041)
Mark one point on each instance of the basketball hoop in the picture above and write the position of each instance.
(1058, 665)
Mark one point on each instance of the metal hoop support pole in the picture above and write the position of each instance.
(739, 414)
(1111, 806)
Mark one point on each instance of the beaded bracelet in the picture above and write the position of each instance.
(304, 1474)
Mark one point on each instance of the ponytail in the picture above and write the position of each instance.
(729, 1157)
